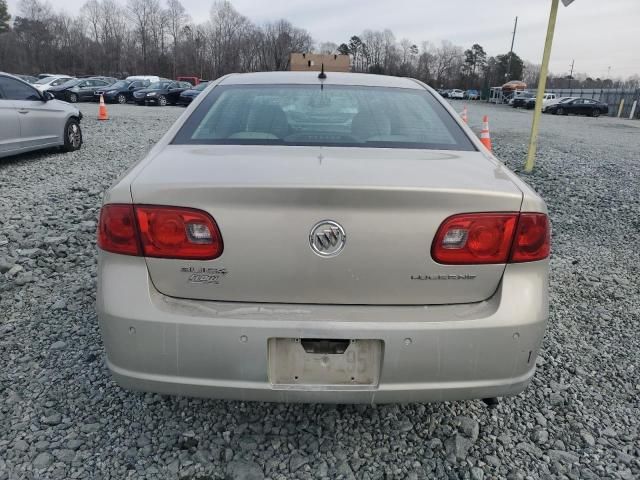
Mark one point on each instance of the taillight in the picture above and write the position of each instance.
(117, 231)
(475, 238)
(533, 238)
(172, 232)
(159, 231)
(486, 238)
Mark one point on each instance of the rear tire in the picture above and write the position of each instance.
(595, 112)
(162, 101)
(122, 99)
(72, 136)
(73, 98)
(560, 111)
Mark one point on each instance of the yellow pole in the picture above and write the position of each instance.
(621, 108)
(542, 84)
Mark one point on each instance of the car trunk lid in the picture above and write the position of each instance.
(266, 200)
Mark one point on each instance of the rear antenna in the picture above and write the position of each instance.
(322, 75)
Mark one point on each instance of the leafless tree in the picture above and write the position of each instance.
(120, 37)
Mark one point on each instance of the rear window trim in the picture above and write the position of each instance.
(182, 137)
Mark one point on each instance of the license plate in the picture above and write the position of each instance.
(321, 362)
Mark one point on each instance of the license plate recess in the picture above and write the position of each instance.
(306, 362)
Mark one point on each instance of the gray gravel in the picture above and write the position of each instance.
(61, 415)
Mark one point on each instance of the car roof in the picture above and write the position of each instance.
(311, 78)
(10, 75)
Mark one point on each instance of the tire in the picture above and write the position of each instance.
(121, 99)
(72, 136)
(162, 101)
(73, 98)
(595, 112)
(560, 111)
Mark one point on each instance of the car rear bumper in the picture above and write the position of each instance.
(219, 349)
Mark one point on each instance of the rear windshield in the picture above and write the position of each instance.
(346, 116)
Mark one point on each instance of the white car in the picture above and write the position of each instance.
(32, 120)
(340, 238)
(46, 83)
(517, 94)
(148, 79)
(456, 93)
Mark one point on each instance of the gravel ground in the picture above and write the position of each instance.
(61, 415)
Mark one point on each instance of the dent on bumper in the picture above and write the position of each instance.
(219, 349)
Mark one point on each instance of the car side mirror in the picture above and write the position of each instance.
(46, 96)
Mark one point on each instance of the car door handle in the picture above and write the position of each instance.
(23, 110)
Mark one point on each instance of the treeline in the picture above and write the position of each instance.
(452, 66)
(446, 65)
(112, 37)
(144, 37)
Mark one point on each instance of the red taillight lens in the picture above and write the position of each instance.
(485, 238)
(533, 238)
(173, 232)
(475, 238)
(157, 231)
(117, 230)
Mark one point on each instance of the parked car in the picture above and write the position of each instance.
(161, 93)
(32, 120)
(109, 80)
(511, 98)
(27, 78)
(145, 78)
(444, 93)
(455, 93)
(120, 92)
(78, 90)
(521, 100)
(579, 106)
(188, 95)
(242, 259)
(530, 103)
(553, 102)
(472, 95)
(45, 83)
(195, 81)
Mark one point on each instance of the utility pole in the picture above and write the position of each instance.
(513, 39)
(571, 74)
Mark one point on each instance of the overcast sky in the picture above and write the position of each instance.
(596, 33)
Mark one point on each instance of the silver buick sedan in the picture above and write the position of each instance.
(343, 238)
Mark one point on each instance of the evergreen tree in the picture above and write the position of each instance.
(4, 16)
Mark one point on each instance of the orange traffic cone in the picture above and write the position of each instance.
(464, 114)
(485, 137)
(102, 110)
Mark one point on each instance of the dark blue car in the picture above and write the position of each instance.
(187, 96)
(122, 91)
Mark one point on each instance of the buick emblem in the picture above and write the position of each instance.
(327, 238)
